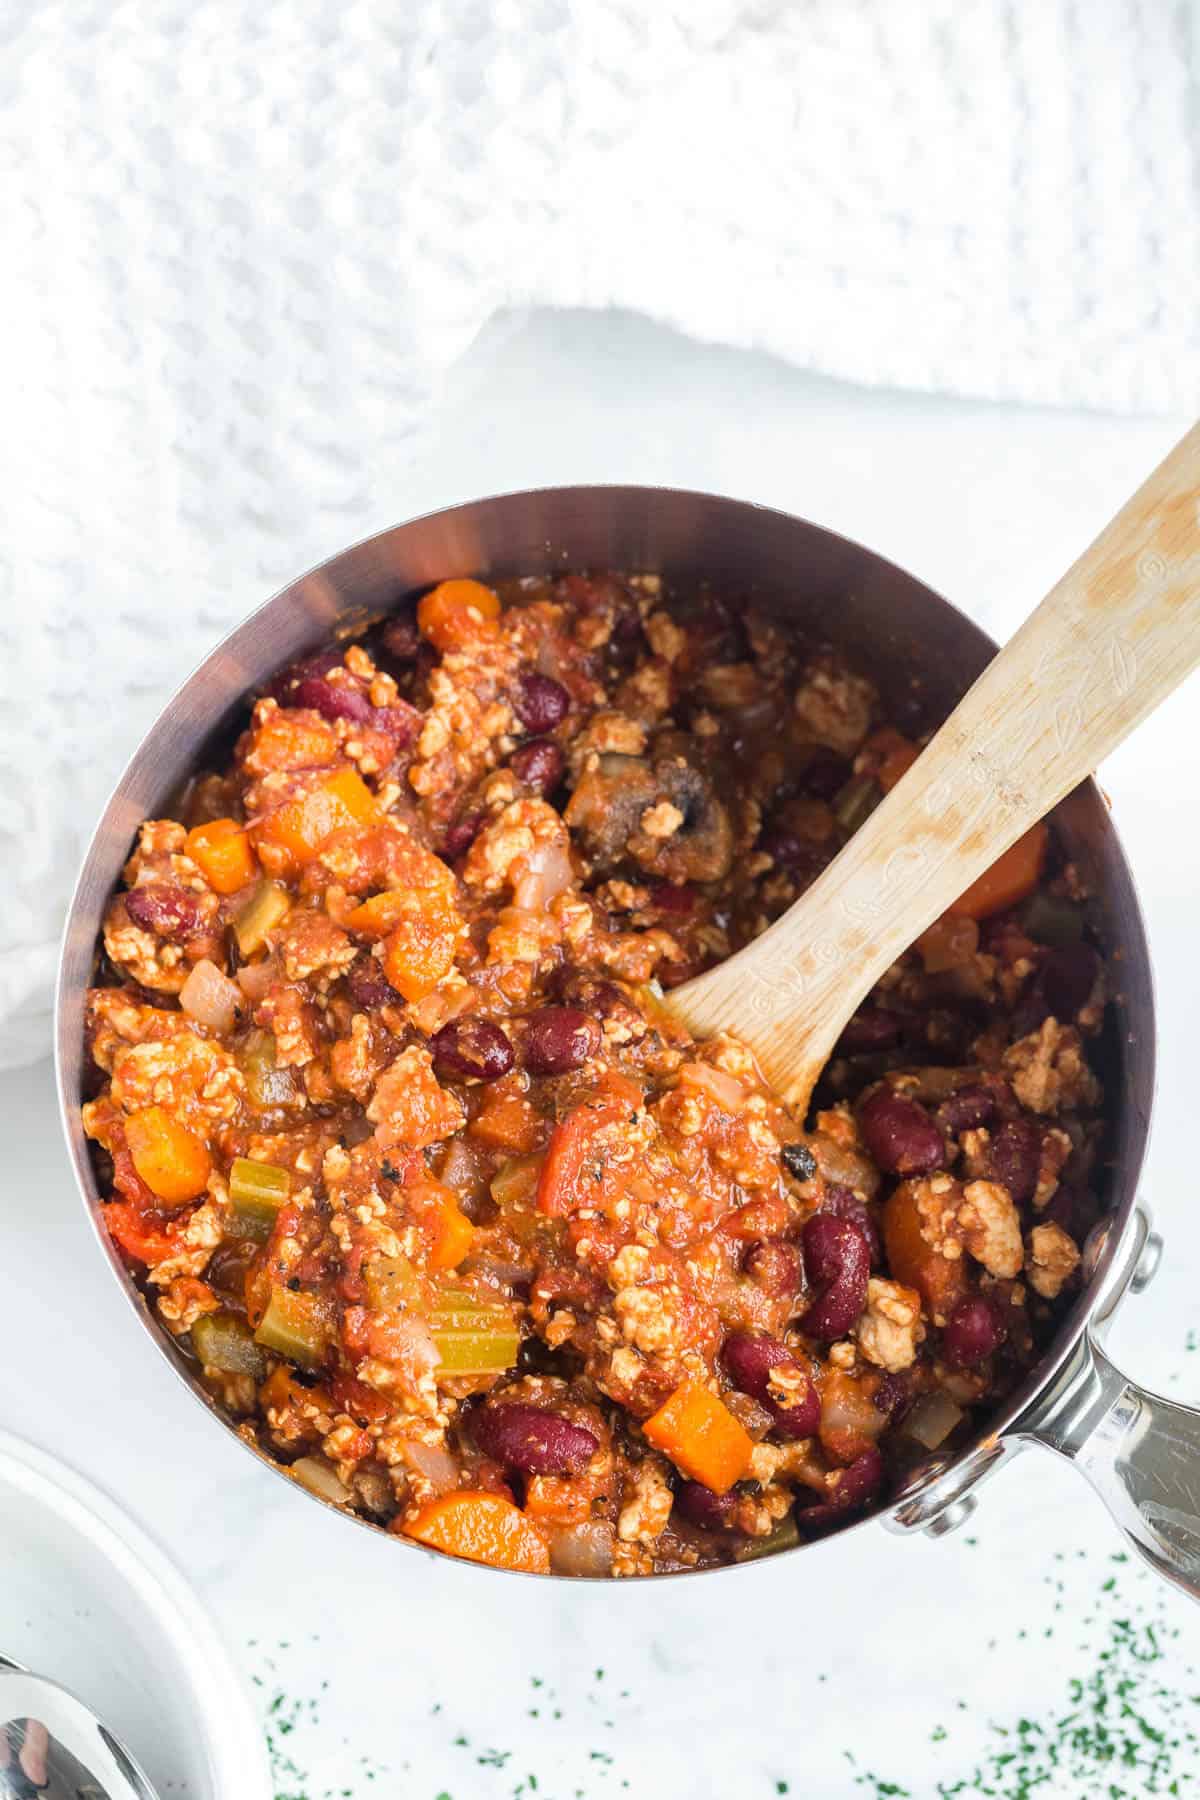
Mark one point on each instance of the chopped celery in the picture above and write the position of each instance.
(267, 906)
(267, 1085)
(472, 1337)
(295, 1325)
(392, 1283)
(857, 800)
(786, 1536)
(223, 1341)
(257, 1190)
(516, 1181)
(1050, 919)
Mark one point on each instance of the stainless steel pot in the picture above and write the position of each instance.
(1140, 1451)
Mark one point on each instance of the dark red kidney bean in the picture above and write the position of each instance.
(799, 1161)
(1013, 1158)
(680, 902)
(837, 1261)
(893, 1396)
(966, 1109)
(399, 639)
(539, 765)
(559, 1039)
(540, 702)
(283, 687)
(700, 1506)
(870, 1029)
(460, 835)
(775, 1267)
(900, 1135)
(826, 774)
(1067, 978)
(471, 1050)
(169, 911)
(533, 1441)
(332, 700)
(975, 1329)
(844, 1203)
(857, 1486)
(402, 722)
(749, 1360)
(369, 986)
(798, 857)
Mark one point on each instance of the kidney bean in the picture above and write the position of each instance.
(558, 1039)
(825, 774)
(540, 702)
(844, 1203)
(533, 1441)
(893, 1396)
(369, 986)
(837, 1261)
(700, 1506)
(539, 765)
(1013, 1157)
(680, 902)
(900, 1135)
(471, 1050)
(797, 856)
(169, 911)
(308, 668)
(1067, 977)
(975, 1329)
(966, 1109)
(749, 1360)
(461, 834)
(871, 1028)
(857, 1486)
(775, 1267)
(799, 1161)
(399, 639)
(332, 701)
(402, 723)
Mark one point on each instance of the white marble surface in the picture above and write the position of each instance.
(904, 1654)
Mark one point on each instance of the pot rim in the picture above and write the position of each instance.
(1001, 1431)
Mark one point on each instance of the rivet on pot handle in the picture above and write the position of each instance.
(1140, 1451)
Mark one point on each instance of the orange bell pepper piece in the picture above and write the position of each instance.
(507, 1120)
(1011, 878)
(172, 1161)
(453, 1232)
(701, 1437)
(300, 828)
(136, 1235)
(420, 949)
(221, 851)
(456, 610)
(483, 1528)
(577, 1172)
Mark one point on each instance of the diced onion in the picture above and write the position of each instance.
(545, 874)
(210, 997)
(321, 1480)
(718, 1084)
(583, 1550)
(434, 1463)
(932, 1419)
(255, 978)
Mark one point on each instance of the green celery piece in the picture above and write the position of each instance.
(267, 906)
(295, 1326)
(391, 1282)
(223, 1341)
(487, 1352)
(1050, 919)
(786, 1536)
(257, 1190)
(516, 1181)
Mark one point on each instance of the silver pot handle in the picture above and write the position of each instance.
(1140, 1452)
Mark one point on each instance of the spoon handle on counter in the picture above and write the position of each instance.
(1112, 639)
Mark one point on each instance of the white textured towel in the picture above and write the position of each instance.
(240, 241)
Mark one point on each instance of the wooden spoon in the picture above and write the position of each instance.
(1118, 633)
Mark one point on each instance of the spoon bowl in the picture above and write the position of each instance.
(50, 1737)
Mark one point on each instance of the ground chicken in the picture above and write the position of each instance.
(890, 1329)
(991, 1228)
(1048, 1072)
(1053, 1258)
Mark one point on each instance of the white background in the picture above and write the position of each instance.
(723, 1675)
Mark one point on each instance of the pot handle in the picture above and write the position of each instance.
(1141, 1453)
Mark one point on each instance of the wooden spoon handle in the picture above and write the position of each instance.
(1117, 634)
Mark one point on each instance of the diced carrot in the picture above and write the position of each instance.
(1010, 879)
(136, 1235)
(300, 828)
(172, 1161)
(701, 1437)
(896, 763)
(483, 1528)
(453, 1233)
(940, 1280)
(221, 851)
(456, 610)
(508, 1121)
(577, 1172)
(382, 913)
(420, 949)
